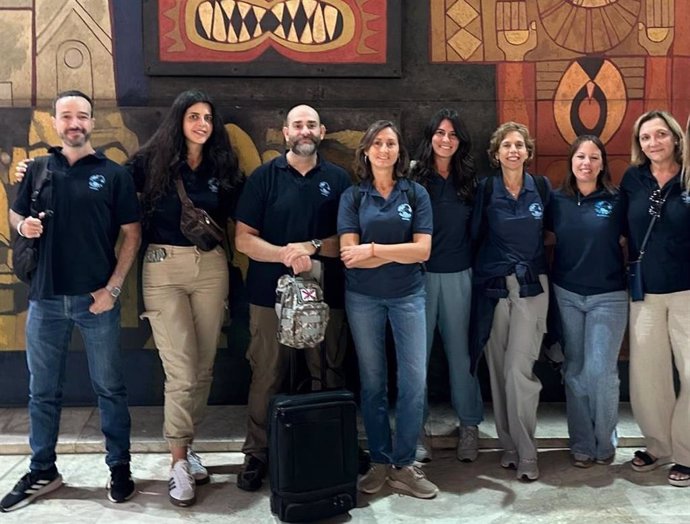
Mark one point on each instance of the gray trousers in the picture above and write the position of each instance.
(518, 327)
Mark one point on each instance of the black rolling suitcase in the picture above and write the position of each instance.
(312, 453)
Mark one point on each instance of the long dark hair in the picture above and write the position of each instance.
(362, 165)
(164, 154)
(463, 172)
(604, 180)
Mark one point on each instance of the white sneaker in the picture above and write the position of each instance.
(181, 486)
(196, 468)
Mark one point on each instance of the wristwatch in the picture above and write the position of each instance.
(114, 291)
(317, 245)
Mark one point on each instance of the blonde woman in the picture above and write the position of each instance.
(660, 323)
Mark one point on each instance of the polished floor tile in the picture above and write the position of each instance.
(480, 492)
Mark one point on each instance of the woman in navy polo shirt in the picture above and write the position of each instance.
(185, 288)
(385, 226)
(660, 324)
(445, 167)
(587, 216)
(510, 280)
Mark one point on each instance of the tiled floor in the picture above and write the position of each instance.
(481, 492)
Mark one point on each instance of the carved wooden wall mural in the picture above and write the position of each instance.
(273, 37)
(563, 67)
(568, 67)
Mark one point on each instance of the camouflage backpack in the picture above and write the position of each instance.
(302, 313)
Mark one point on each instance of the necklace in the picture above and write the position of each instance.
(513, 192)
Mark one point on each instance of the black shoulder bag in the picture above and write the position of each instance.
(25, 250)
(635, 283)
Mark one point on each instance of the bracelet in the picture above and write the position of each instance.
(372, 250)
(19, 228)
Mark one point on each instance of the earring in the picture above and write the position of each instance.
(366, 158)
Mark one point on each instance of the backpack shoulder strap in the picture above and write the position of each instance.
(541, 186)
(40, 174)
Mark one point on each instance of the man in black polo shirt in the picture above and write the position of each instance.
(286, 215)
(87, 202)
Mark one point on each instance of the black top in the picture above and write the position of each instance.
(666, 262)
(90, 200)
(285, 206)
(451, 246)
(513, 240)
(588, 258)
(163, 225)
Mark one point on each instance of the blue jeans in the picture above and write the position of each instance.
(48, 332)
(367, 318)
(448, 298)
(593, 329)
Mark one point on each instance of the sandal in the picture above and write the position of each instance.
(649, 462)
(683, 470)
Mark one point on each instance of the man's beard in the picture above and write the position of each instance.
(78, 141)
(305, 148)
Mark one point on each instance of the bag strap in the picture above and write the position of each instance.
(40, 177)
(648, 233)
(182, 193)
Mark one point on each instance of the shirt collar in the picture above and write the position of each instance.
(282, 163)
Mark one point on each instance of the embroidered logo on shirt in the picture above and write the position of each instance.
(96, 182)
(405, 212)
(685, 197)
(213, 184)
(537, 210)
(603, 208)
(324, 188)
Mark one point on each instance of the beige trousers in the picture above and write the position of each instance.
(660, 338)
(185, 296)
(269, 363)
(518, 327)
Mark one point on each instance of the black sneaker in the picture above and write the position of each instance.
(121, 485)
(31, 486)
(252, 476)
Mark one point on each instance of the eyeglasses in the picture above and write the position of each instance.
(656, 201)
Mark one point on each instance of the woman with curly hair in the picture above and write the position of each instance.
(510, 276)
(184, 286)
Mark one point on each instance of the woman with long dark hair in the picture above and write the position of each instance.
(445, 167)
(185, 287)
(659, 209)
(587, 215)
(385, 227)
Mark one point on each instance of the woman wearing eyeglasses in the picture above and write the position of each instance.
(660, 322)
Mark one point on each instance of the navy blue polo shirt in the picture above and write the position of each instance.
(666, 262)
(90, 200)
(385, 221)
(451, 246)
(285, 206)
(515, 229)
(203, 189)
(588, 258)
